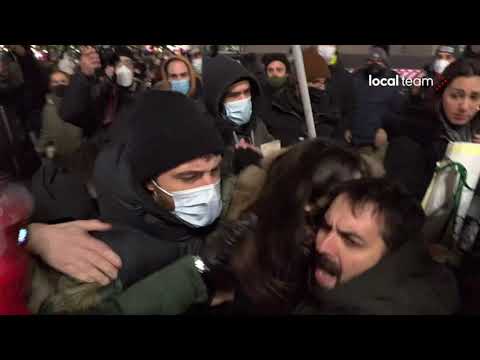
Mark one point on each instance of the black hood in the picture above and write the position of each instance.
(405, 282)
(124, 201)
(219, 73)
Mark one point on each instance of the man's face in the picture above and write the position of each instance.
(276, 69)
(177, 70)
(238, 91)
(445, 56)
(58, 78)
(347, 244)
(190, 175)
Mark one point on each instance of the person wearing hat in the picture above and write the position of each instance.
(277, 71)
(374, 102)
(162, 190)
(100, 93)
(277, 76)
(167, 177)
(287, 120)
(444, 56)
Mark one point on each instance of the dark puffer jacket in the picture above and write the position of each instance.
(373, 104)
(85, 105)
(340, 87)
(122, 201)
(406, 282)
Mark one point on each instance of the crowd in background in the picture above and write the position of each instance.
(186, 182)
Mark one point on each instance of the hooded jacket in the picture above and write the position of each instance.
(219, 73)
(194, 80)
(405, 282)
(124, 202)
(373, 104)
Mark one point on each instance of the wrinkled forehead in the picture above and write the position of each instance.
(364, 217)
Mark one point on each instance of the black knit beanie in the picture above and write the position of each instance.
(167, 129)
(267, 59)
(124, 51)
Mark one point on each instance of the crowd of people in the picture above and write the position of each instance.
(187, 183)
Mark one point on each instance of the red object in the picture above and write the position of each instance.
(15, 207)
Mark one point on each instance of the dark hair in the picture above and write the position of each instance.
(403, 217)
(472, 51)
(271, 266)
(462, 67)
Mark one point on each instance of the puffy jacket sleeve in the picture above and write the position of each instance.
(169, 291)
(77, 106)
(85, 102)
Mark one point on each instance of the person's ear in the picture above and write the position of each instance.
(150, 187)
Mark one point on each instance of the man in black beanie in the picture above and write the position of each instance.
(160, 190)
(277, 69)
(164, 182)
(161, 193)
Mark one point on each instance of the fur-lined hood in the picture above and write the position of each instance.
(193, 75)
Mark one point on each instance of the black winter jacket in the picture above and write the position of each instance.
(406, 282)
(121, 201)
(373, 104)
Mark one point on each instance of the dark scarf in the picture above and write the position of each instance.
(454, 133)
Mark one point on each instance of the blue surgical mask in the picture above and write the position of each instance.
(181, 86)
(240, 111)
(199, 207)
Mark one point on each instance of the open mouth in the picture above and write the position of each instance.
(325, 279)
(326, 271)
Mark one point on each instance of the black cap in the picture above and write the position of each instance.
(268, 58)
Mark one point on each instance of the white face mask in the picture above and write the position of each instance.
(197, 65)
(240, 111)
(439, 65)
(199, 207)
(327, 52)
(66, 65)
(124, 76)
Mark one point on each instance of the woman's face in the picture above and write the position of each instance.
(461, 99)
